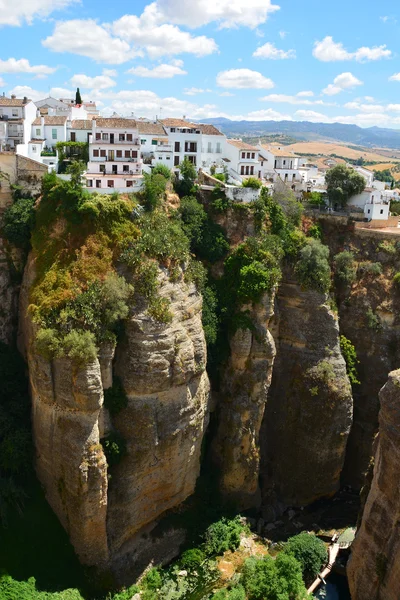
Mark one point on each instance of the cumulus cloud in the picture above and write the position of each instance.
(300, 98)
(365, 108)
(22, 65)
(310, 115)
(228, 13)
(328, 50)
(395, 77)
(86, 38)
(163, 71)
(243, 79)
(24, 11)
(342, 82)
(110, 72)
(99, 82)
(25, 90)
(2, 83)
(150, 34)
(305, 94)
(269, 50)
(226, 94)
(267, 115)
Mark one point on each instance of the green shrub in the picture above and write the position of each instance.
(387, 246)
(279, 579)
(223, 535)
(350, 356)
(312, 268)
(370, 268)
(184, 184)
(396, 280)
(11, 589)
(191, 559)
(345, 268)
(114, 447)
(315, 231)
(196, 273)
(209, 317)
(235, 593)
(154, 186)
(79, 346)
(315, 199)
(252, 182)
(126, 594)
(159, 310)
(48, 343)
(161, 169)
(309, 551)
(255, 279)
(152, 580)
(18, 222)
(220, 177)
(373, 320)
(115, 398)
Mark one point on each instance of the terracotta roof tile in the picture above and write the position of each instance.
(81, 124)
(242, 145)
(12, 101)
(208, 129)
(179, 123)
(278, 152)
(117, 123)
(50, 120)
(151, 128)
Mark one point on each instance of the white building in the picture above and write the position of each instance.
(79, 130)
(213, 146)
(52, 106)
(114, 156)
(51, 129)
(185, 138)
(18, 115)
(155, 145)
(377, 210)
(242, 160)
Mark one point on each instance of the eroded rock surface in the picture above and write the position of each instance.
(374, 567)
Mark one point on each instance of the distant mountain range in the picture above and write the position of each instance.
(305, 130)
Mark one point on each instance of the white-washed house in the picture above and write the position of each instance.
(213, 146)
(241, 159)
(18, 115)
(185, 139)
(114, 163)
(155, 146)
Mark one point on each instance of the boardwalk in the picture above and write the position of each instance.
(333, 551)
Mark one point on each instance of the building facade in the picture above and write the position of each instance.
(17, 115)
(242, 160)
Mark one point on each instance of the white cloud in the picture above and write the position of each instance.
(22, 65)
(226, 94)
(299, 98)
(282, 34)
(329, 51)
(228, 13)
(25, 90)
(269, 50)
(310, 115)
(243, 79)
(369, 99)
(267, 115)
(342, 82)
(2, 83)
(99, 82)
(163, 71)
(110, 72)
(148, 32)
(86, 38)
(193, 91)
(393, 107)
(26, 10)
(305, 94)
(365, 108)
(395, 77)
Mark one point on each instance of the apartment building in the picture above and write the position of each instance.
(156, 147)
(185, 139)
(213, 145)
(17, 114)
(114, 156)
(242, 160)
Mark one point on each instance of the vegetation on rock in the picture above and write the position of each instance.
(312, 269)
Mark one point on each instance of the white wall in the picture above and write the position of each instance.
(241, 194)
(376, 211)
(30, 116)
(213, 149)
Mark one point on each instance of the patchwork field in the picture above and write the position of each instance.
(327, 149)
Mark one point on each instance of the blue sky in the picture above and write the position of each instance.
(252, 59)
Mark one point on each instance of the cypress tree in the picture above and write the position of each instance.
(78, 99)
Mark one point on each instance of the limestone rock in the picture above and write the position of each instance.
(374, 566)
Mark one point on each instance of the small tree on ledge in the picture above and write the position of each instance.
(78, 98)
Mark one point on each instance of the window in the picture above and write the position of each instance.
(119, 153)
(33, 148)
(248, 155)
(173, 129)
(89, 182)
(252, 170)
(54, 134)
(242, 170)
(284, 162)
(98, 136)
(98, 183)
(102, 168)
(37, 131)
(121, 137)
(369, 211)
(247, 170)
(73, 136)
(127, 153)
(104, 137)
(219, 149)
(243, 154)
(114, 169)
(15, 112)
(125, 168)
(129, 137)
(95, 153)
(190, 146)
(262, 163)
(103, 153)
(134, 153)
(154, 142)
(129, 183)
(209, 150)
(110, 183)
(168, 157)
(381, 211)
(143, 141)
(176, 161)
(177, 147)
(253, 155)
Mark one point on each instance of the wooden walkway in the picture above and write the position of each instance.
(333, 551)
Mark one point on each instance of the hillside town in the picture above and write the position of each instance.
(118, 150)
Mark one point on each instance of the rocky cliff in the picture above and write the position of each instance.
(243, 398)
(309, 409)
(162, 367)
(374, 567)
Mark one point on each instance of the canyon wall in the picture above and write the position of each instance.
(374, 567)
(309, 409)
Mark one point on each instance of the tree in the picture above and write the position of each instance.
(155, 185)
(309, 551)
(279, 579)
(184, 185)
(384, 175)
(78, 98)
(313, 268)
(75, 169)
(18, 222)
(342, 183)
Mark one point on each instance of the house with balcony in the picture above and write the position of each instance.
(185, 139)
(79, 130)
(241, 159)
(213, 145)
(18, 115)
(114, 163)
(155, 144)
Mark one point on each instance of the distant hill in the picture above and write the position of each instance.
(305, 130)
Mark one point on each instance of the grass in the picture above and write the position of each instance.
(35, 544)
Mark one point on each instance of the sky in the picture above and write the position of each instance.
(240, 59)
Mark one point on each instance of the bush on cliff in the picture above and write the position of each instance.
(345, 268)
(223, 535)
(279, 579)
(309, 551)
(18, 222)
(350, 356)
(312, 268)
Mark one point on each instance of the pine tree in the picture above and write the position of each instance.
(78, 99)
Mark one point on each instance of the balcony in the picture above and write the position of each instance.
(115, 142)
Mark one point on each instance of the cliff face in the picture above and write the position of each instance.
(162, 368)
(8, 297)
(309, 409)
(374, 567)
(242, 403)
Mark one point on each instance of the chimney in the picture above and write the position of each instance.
(25, 100)
(13, 96)
(42, 123)
(37, 113)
